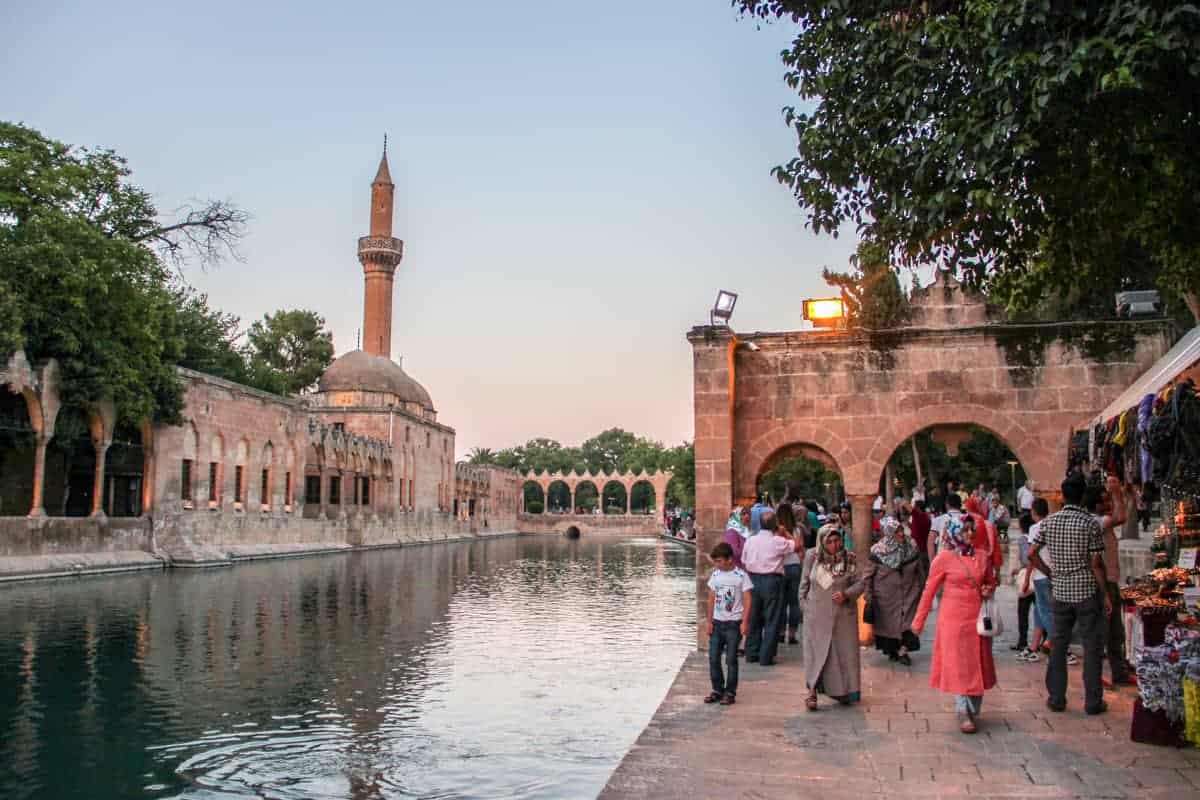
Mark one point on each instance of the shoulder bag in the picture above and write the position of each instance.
(989, 624)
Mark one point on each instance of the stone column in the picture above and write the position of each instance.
(713, 396)
(572, 490)
(101, 447)
(37, 508)
(628, 501)
(860, 510)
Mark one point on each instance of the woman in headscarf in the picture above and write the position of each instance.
(893, 577)
(829, 590)
(986, 537)
(792, 568)
(962, 659)
(736, 533)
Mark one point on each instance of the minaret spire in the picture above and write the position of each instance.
(379, 253)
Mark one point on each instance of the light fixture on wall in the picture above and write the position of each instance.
(827, 312)
(723, 308)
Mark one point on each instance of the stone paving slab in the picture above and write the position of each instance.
(901, 741)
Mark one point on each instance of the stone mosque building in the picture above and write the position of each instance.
(363, 461)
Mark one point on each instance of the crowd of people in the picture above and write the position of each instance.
(790, 565)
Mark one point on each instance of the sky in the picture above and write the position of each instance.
(574, 182)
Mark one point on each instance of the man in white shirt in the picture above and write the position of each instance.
(1025, 497)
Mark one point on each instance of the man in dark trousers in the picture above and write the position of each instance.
(1074, 540)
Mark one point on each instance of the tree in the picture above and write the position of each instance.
(481, 455)
(77, 250)
(10, 323)
(871, 291)
(1033, 146)
(799, 477)
(209, 337)
(292, 345)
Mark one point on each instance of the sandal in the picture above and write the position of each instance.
(966, 724)
(905, 660)
(728, 700)
(712, 697)
(810, 702)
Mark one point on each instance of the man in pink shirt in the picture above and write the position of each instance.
(763, 556)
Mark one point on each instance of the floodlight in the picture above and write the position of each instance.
(825, 312)
(723, 308)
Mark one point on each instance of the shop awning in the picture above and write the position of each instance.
(1183, 355)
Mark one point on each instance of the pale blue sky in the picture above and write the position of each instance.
(573, 181)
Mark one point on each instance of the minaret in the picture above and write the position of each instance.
(379, 254)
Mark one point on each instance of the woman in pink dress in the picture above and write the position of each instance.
(962, 659)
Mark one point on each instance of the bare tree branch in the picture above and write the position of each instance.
(210, 233)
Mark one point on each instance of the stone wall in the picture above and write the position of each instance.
(640, 524)
(851, 398)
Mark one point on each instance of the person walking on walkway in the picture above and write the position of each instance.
(920, 521)
(1077, 578)
(736, 531)
(962, 659)
(893, 579)
(792, 567)
(763, 556)
(1024, 586)
(830, 589)
(1110, 519)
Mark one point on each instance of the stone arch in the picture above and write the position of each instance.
(616, 498)
(533, 492)
(1038, 461)
(215, 477)
(802, 438)
(787, 442)
(592, 497)
(189, 464)
(558, 497)
(643, 494)
(241, 457)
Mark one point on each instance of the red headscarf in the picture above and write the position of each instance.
(975, 509)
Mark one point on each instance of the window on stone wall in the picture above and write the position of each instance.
(340, 427)
(407, 434)
(428, 439)
(264, 492)
(412, 503)
(312, 489)
(335, 490)
(185, 481)
(365, 497)
(238, 485)
(213, 486)
(287, 488)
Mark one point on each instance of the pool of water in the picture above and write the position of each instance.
(517, 667)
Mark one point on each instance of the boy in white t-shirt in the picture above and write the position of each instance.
(728, 622)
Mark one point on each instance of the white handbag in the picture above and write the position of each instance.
(988, 624)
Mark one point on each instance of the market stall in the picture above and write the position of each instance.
(1149, 438)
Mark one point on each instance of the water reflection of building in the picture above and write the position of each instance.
(363, 460)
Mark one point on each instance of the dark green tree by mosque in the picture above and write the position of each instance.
(290, 349)
(1036, 147)
(871, 290)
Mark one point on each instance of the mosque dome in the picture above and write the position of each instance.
(359, 371)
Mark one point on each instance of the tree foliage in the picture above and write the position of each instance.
(1031, 145)
(800, 477)
(871, 290)
(983, 458)
(290, 349)
(78, 256)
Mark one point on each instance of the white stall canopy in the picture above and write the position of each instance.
(1185, 354)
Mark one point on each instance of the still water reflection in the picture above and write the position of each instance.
(520, 667)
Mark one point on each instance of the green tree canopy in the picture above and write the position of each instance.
(81, 256)
(871, 291)
(1033, 146)
(800, 477)
(290, 349)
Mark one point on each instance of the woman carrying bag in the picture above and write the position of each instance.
(962, 648)
(894, 577)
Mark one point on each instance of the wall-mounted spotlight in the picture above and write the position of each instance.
(825, 312)
(723, 308)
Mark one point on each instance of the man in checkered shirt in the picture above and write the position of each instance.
(1076, 546)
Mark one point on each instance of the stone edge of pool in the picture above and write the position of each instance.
(50, 566)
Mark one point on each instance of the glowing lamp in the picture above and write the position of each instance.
(825, 313)
(723, 308)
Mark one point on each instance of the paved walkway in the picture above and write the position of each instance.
(901, 741)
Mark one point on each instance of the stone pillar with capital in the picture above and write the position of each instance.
(101, 448)
(37, 508)
(860, 510)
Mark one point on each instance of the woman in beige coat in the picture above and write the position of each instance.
(829, 590)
